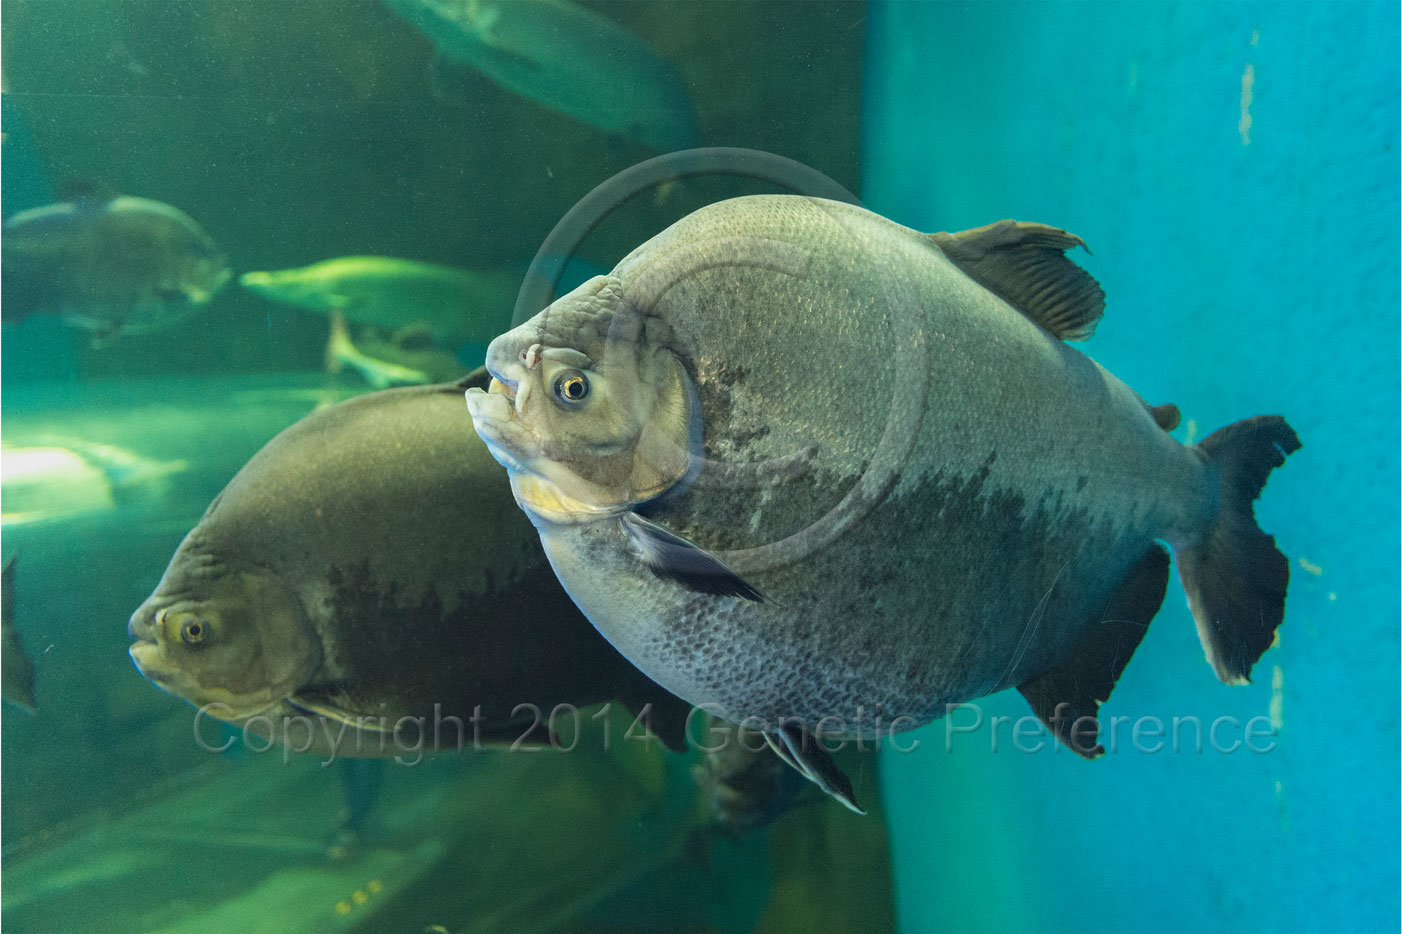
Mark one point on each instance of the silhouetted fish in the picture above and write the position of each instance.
(109, 265)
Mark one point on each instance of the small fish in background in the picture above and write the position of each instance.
(52, 478)
(341, 353)
(453, 306)
(16, 670)
(565, 57)
(108, 264)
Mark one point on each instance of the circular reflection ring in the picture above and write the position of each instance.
(910, 389)
(542, 282)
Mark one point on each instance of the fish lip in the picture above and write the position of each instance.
(148, 659)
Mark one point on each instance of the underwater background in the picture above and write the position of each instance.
(1233, 167)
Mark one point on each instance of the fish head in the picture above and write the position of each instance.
(589, 409)
(287, 286)
(235, 642)
(202, 274)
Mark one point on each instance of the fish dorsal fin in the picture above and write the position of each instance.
(1068, 697)
(1026, 266)
(1166, 416)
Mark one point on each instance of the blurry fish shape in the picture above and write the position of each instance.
(565, 57)
(16, 670)
(367, 565)
(53, 478)
(381, 374)
(111, 265)
(452, 305)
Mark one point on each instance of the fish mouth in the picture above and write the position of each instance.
(495, 414)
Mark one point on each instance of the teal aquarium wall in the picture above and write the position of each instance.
(1234, 167)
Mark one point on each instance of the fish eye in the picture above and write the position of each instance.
(572, 387)
(193, 631)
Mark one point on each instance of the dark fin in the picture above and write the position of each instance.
(662, 712)
(317, 706)
(675, 559)
(1072, 692)
(7, 593)
(1234, 575)
(85, 189)
(1024, 264)
(803, 752)
(1166, 416)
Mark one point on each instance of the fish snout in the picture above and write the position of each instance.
(513, 355)
(147, 623)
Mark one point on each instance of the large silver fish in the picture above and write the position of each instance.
(804, 465)
(566, 57)
(111, 265)
(367, 565)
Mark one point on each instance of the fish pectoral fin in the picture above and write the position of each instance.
(1068, 697)
(320, 701)
(673, 558)
(1026, 266)
(337, 715)
(803, 752)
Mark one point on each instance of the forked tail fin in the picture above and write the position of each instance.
(1235, 577)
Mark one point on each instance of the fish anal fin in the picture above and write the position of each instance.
(1068, 697)
(804, 752)
(1026, 266)
(673, 558)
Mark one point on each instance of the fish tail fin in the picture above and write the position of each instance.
(1234, 575)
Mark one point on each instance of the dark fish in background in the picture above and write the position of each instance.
(111, 265)
(565, 57)
(16, 670)
(450, 306)
(369, 562)
(983, 505)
